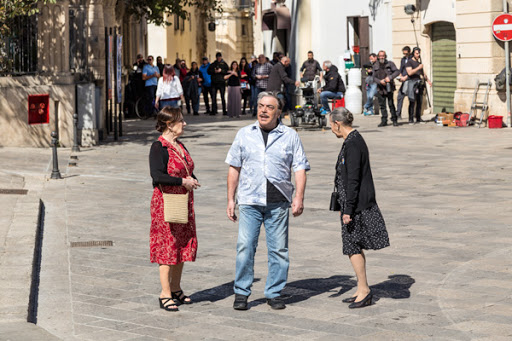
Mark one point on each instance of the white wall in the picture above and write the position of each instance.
(157, 42)
(329, 27)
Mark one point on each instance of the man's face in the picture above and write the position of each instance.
(406, 54)
(310, 56)
(416, 54)
(325, 67)
(268, 112)
(219, 58)
(373, 59)
(140, 59)
(382, 57)
(285, 62)
(261, 59)
(205, 61)
(183, 63)
(150, 60)
(159, 60)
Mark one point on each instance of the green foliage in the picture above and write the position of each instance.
(10, 9)
(154, 10)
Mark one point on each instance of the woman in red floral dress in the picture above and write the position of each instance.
(171, 244)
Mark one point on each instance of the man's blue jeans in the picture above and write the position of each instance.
(371, 91)
(326, 95)
(275, 218)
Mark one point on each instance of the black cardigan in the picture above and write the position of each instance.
(158, 160)
(354, 169)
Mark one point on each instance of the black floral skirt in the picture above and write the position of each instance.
(366, 231)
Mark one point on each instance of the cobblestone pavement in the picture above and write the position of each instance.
(444, 192)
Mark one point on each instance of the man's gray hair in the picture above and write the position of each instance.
(342, 115)
(328, 64)
(272, 94)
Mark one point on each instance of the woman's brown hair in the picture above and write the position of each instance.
(167, 115)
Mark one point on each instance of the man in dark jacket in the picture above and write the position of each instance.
(218, 69)
(278, 76)
(334, 86)
(384, 73)
(403, 77)
(310, 68)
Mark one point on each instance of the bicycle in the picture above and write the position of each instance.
(145, 110)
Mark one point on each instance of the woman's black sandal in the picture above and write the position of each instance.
(168, 307)
(180, 297)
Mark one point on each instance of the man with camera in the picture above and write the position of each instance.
(384, 73)
(218, 69)
(403, 78)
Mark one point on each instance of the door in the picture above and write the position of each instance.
(444, 66)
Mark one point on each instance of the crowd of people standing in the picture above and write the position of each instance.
(177, 85)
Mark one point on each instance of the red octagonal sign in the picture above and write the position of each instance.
(502, 27)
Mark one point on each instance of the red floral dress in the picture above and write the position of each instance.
(171, 243)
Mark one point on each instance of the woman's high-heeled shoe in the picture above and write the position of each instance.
(349, 299)
(367, 301)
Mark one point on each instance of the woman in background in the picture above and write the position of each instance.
(234, 94)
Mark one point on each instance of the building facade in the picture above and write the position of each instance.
(458, 49)
(66, 72)
(191, 39)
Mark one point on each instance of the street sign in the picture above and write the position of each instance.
(502, 27)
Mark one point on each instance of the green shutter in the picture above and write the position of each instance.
(444, 66)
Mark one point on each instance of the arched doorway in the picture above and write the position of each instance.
(444, 65)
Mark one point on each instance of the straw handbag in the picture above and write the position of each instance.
(176, 205)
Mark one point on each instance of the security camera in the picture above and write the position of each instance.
(409, 9)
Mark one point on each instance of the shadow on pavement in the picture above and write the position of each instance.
(396, 287)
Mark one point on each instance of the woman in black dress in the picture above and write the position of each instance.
(362, 224)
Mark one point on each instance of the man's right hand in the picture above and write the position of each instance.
(230, 211)
(297, 83)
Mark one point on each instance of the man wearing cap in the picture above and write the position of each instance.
(217, 70)
(207, 84)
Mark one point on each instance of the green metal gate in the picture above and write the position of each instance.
(444, 66)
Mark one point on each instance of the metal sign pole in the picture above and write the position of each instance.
(507, 71)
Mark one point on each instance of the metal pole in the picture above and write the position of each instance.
(121, 119)
(111, 100)
(55, 171)
(507, 71)
(107, 121)
(75, 148)
(115, 85)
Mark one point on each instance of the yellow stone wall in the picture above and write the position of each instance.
(479, 55)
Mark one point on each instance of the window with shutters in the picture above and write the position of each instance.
(444, 66)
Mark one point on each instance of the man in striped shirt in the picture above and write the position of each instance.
(260, 73)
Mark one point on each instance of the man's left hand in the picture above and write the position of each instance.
(297, 206)
(346, 219)
(383, 82)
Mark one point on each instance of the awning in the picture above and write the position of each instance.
(276, 18)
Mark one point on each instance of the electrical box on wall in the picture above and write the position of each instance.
(38, 109)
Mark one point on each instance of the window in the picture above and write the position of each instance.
(18, 50)
(243, 30)
(176, 22)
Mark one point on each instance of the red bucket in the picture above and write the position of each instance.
(494, 121)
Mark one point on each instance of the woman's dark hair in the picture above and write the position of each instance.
(343, 116)
(237, 66)
(168, 73)
(246, 67)
(167, 115)
(192, 66)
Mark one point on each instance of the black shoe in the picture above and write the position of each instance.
(276, 303)
(349, 299)
(367, 301)
(382, 124)
(411, 122)
(208, 112)
(225, 113)
(240, 302)
(213, 113)
(421, 121)
(395, 124)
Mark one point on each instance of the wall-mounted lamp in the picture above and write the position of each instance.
(409, 9)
